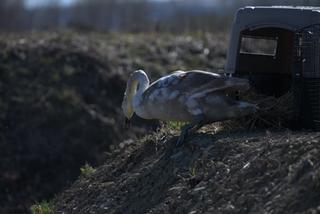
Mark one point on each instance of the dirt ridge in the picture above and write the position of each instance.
(258, 172)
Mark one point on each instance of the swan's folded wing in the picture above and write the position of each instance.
(200, 81)
(194, 82)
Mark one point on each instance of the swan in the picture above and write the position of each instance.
(197, 97)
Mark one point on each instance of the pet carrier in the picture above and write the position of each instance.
(278, 50)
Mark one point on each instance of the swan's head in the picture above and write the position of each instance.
(127, 106)
(136, 78)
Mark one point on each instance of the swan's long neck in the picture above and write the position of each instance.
(141, 83)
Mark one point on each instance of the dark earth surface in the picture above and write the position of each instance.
(224, 172)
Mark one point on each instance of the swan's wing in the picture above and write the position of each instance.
(195, 82)
(201, 82)
(161, 88)
(206, 82)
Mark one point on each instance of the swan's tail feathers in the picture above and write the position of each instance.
(247, 108)
(238, 84)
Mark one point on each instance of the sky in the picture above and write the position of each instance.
(37, 3)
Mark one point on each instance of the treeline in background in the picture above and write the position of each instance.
(127, 15)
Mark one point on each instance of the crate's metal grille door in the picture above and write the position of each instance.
(307, 73)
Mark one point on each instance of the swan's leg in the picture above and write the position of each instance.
(190, 128)
(184, 133)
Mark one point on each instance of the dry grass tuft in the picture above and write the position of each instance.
(272, 112)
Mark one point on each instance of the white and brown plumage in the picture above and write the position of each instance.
(197, 97)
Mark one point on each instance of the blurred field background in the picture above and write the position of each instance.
(63, 69)
(126, 15)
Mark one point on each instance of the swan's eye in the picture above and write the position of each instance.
(138, 86)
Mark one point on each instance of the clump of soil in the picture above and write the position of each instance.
(212, 173)
(60, 101)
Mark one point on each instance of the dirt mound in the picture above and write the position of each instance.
(60, 108)
(219, 173)
(53, 105)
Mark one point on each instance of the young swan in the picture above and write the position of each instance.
(197, 97)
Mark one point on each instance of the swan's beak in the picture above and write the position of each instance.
(127, 123)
